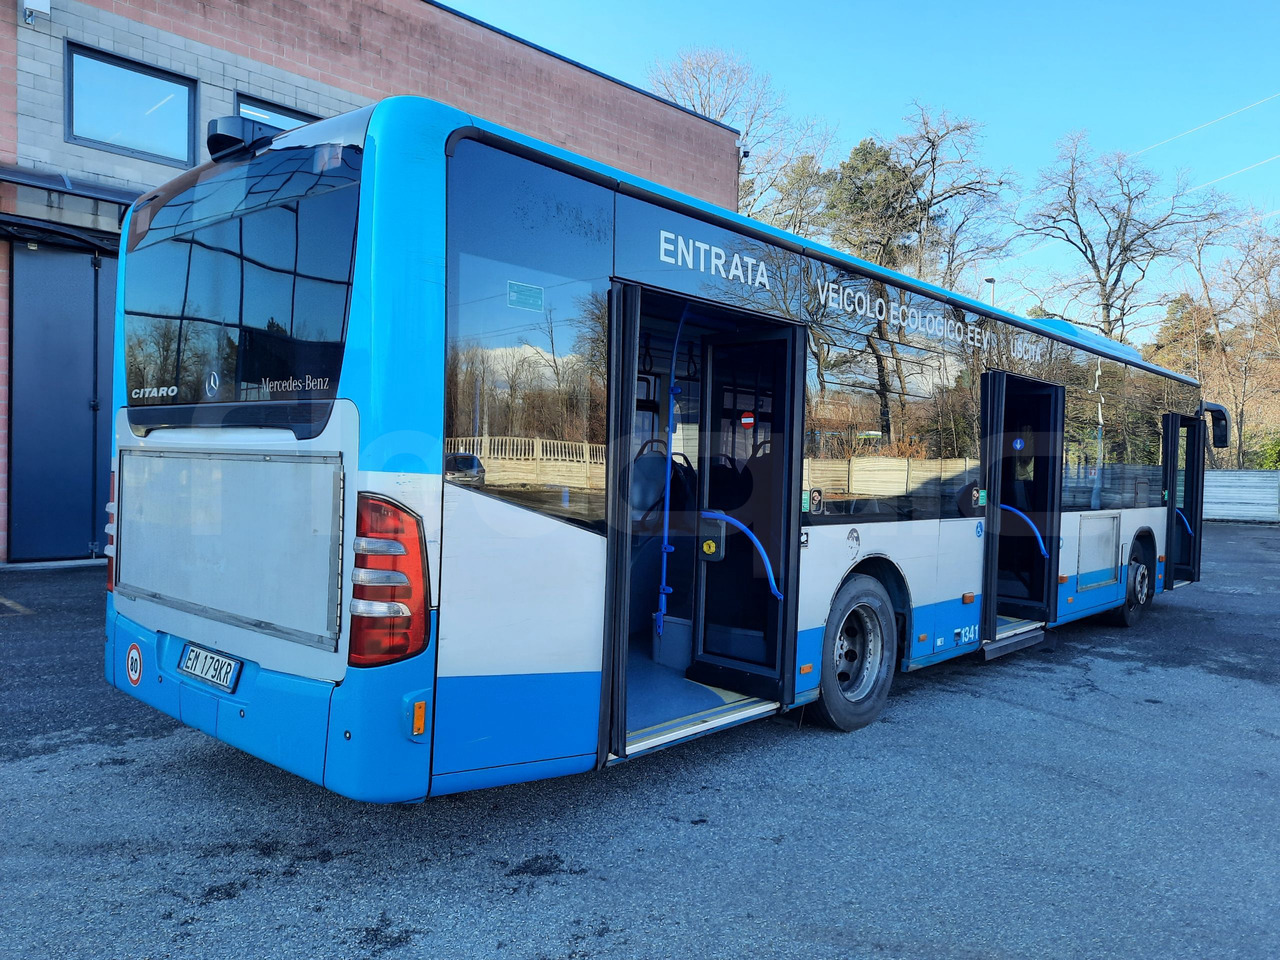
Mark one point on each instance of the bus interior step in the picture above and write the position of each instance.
(1018, 641)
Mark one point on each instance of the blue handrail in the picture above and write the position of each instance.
(1185, 523)
(673, 391)
(768, 567)
(1040, 540)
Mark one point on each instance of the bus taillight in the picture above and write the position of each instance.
(388, 585)
(110, 551)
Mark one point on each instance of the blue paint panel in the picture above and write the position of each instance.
(285, 717)
(1094, 578)
(109, 648)
(809, 651)
(159, 684)
(503, 720)
(515, 773)
(399, 277)
(947, 654)
(118, 379)
(1089, 602)
(940, 621)
(197, 708)
(285, 720)
(382, 761)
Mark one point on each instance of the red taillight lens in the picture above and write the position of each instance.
(388, 585)
(110, 552)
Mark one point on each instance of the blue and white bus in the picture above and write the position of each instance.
(447, 459)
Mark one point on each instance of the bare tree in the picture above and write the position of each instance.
(1220, 331)
(959, 210)
(922, 202)
(724, 86)
(799, 200)
(1119, 221)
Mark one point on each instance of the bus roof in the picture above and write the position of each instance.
(1060, 330)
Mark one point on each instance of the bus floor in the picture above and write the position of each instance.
(658, 695)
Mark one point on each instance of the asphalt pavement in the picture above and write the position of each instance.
(1118, 796)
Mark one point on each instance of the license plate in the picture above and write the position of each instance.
(213, 668)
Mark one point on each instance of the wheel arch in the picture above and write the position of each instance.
(1146, 535)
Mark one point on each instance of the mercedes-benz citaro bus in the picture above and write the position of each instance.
(446, 459)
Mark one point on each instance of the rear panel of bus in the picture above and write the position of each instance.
(276, 495)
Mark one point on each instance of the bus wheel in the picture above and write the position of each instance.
(858, 654)
(1139, 588)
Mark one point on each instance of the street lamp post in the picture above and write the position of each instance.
(992, 281)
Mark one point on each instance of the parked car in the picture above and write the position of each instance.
(464, 468)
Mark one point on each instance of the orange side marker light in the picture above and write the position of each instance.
(419, 717)
(967, 598)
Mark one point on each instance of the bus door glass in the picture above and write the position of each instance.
(743, 535)
(1184, 439)
(1022, 425)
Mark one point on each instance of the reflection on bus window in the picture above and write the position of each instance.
(871, 457)
(529, 257)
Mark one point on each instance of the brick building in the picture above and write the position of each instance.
(103, 99)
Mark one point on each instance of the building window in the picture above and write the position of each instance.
(129, 108)
(281, 117)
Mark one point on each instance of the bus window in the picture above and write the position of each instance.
(241, 273)
(873, 457)
(529, 256)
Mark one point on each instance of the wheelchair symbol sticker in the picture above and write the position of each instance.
(978, 531)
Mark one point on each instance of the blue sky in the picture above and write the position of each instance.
(1131, 73)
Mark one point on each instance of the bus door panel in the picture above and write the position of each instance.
(745, 579)
(1021, 433)
(1184, 441)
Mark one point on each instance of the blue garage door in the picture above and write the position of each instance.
(60, 420)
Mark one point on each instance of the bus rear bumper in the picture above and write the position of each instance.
(354, 738)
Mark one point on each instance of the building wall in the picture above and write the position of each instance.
(322, 59)
(327, 58)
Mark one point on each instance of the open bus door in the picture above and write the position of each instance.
(1021, 434)
(703, 566)
(1184, 440)
(749, 513)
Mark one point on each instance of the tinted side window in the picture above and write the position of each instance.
(1141, 438)
(959, 405)
(869, 454)
(530, 252)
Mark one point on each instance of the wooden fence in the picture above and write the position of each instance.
(882, 476)
(529, 461)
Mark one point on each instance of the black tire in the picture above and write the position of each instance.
(859, 655)
(1140, 586)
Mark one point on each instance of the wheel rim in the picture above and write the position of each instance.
(1141, 580)
(859, 649)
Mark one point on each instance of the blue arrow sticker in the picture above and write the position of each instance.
(1019, 443)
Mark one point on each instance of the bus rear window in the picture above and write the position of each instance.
(238, 279)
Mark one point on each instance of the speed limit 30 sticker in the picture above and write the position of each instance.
(133, 664)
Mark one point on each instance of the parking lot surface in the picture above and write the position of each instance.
(1115, 797)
